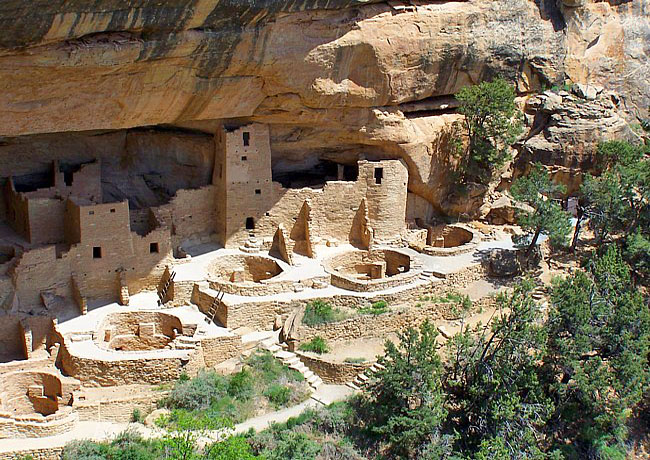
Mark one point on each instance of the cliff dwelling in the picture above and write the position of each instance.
(215, 215)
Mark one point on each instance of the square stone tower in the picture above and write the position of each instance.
(242, 175)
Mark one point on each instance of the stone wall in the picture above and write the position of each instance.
(191, 215)
(11, 340)
(118, 408)
(243, 175)
(45, 453)
(331, 371)
(219, 349)
(34, 427)
(367, 326)
(96, 373)
(102, 246)
(127, 330)
(261, 314)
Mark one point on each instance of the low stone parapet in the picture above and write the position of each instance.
(331, 371)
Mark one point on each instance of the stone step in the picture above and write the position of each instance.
(358, 382)
(291, 361)
(81, 337)
(273, 348)
(380, 366)
(363, 377)
(352, 385)
(306, 374)
(187, 339)
(298, 366)
(283, 354)
(374, 368)
(319, 284)
(185, 346)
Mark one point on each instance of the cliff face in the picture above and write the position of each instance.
(332, 78)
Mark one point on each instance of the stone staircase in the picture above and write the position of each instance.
(539, 293)
(362, 379)
(426, 275)
(292, 360)
(252, 245)
(183, 342)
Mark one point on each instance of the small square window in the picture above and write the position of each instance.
(153, 248)
(244, 158)
(112, 209)
(91, 213)
(258, 191)
(97, 252)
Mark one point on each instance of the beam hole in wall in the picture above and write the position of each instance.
(153, 248)
(250, 223)
(379, 175)
(97, 252)
(246, 137)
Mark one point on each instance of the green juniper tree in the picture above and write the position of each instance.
(617, 203)
(597, 360)
(493, 394)
(404, 405)
(546, 215)
(491, 124)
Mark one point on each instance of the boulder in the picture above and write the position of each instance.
(585, 91)
(504, 263)
(501, 212)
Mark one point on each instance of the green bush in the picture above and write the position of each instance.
(293, 446)
(279, 395)
(376, 308)
(319, 312)
(136, 416)
(128, 445)
(316, 345)
(354, 360)
(241, 385)
(85, 450)
(269, 369)
(210, 398)
(233, 448)
(197, 393)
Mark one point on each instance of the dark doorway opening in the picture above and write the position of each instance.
(379, 175)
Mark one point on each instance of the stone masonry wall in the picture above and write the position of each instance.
(191, 214)
(219, 349)
(331, 371)
(45, 453)
(243, 174)
(95, 373)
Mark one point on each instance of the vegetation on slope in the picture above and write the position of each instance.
(263, 382)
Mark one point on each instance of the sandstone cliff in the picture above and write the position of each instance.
(333, 78)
